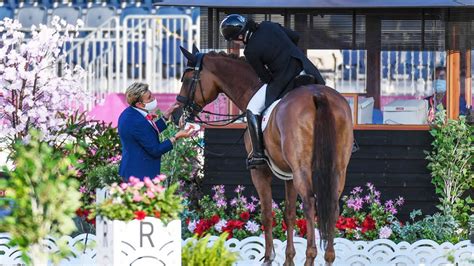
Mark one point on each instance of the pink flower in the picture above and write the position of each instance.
(159, 188)
(159, 178)
(148, 182)
(137, 197)
(150, 194)
(139, 185)
(124, 186)
(83, 189)
(133, 180)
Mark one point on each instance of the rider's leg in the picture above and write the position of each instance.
(254, 121)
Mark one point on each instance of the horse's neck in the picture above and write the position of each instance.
(240, 84)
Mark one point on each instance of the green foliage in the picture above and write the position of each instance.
(45, 195)
(102, 176)
(438, 227)
(100, 140)
(137, 199)
(450, 163)
(202, 253)
(183, 164)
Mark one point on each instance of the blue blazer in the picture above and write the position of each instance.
(141, 146)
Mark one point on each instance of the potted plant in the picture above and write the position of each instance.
(138, 223)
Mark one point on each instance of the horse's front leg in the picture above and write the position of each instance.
(261, 179)
(290, 216)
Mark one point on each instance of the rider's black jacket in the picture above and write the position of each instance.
(273, 54)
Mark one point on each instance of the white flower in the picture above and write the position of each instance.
(10, 74)
(385, 232)
(192, 226)
(9, 108)
(117, 200)
(252, 226)
(221, 224)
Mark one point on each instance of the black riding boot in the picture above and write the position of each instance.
(256, 157)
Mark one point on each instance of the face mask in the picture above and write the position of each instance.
(151, 105)
(440, 86)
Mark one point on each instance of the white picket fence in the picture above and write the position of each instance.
(251, 250)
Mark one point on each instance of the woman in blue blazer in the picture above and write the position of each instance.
(139, 130)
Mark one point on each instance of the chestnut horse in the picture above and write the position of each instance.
(309, 134)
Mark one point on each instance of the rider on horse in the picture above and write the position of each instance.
(272, 52)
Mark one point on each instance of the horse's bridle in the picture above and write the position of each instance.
(190, 106)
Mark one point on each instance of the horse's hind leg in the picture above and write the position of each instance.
(303, 185)
(290, 216)
(261, 179)
(330, 254)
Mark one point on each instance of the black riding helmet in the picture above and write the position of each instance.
(232, 26)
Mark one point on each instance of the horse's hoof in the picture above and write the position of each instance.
(267, 263)
(289, 263)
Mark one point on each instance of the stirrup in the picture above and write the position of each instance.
(254, 162)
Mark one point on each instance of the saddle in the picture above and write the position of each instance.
(303, 79)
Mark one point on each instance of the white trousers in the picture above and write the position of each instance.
(257, 103)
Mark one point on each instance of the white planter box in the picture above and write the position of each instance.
(138, 243)
(406, 112)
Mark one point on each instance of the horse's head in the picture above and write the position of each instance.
(199, 85)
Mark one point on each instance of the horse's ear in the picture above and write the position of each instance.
(195, 49)
(191, 58)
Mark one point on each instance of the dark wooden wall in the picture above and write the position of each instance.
(392, 160)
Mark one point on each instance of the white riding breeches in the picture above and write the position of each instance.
(257, 103)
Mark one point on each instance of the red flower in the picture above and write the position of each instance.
(157, 214)
(151, 116)
(91, 221)
(274, 223)
(273, 213)
(188, 221)
(79, 212)
(351, 223)
(215, 219)
(140, 215)
(341, 223)
(368, 224)
(346, 223)
(231, 225)
(301, 223)
(245, 216)
(202, 226)
(283, 226)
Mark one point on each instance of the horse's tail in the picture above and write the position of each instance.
(324, 161)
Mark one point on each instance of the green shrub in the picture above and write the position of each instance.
(200, 253)
(438, 227)
(102, 176)
(450, 163)
(45, 196)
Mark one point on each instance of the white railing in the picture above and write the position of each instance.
(402, 72)
(251, 251)
(96, 53)
(151, 50)
(142, 48)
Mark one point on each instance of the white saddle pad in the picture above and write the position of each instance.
(266, 115)
(276, 171)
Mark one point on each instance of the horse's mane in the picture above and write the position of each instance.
(224, 54)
